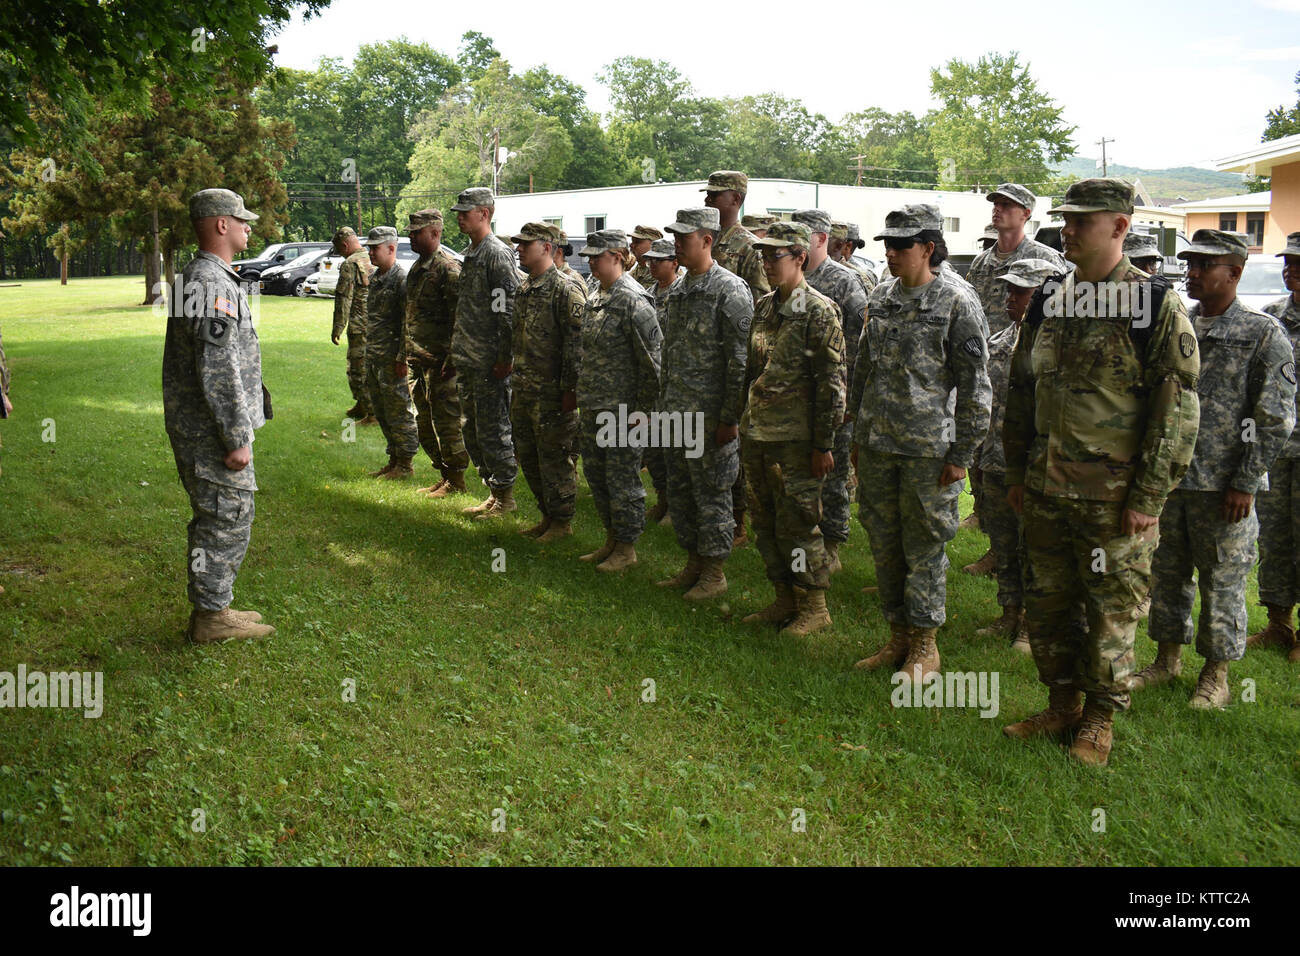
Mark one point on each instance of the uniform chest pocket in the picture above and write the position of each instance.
(1044, 359)
(1108, 354)
(1229, 357)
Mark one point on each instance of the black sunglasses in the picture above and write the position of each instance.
(898, 245)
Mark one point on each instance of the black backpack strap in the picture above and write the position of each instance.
(1150, 298)
(1034, 314)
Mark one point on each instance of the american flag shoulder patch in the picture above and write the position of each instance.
(224, 305)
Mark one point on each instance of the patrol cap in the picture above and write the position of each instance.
(645, 232)
(219, 202)
(425, 217)
(1028, 273)
(1097, 195)
(817, 220)
(604, 241)
(693, 220)
(472, 198)
(855, 235)
(536, 231)
(724, 179)
(990, 232)
(662, 249)
(1292, 245)
(839, 230)
(1217, 242)
(757, 221)
(380, 235)
(911, 220)
(1015, 192)
(1139, 246)
(782, 235)
(341, 234)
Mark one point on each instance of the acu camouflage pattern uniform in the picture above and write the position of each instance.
(655, 459)
(621, 350)
(1245, 363)
(432, 288)
(990, 265)
(921, 398)
(1279, 505)
(212, 404)
(350, 315)
(390, 396)
(1098, 420)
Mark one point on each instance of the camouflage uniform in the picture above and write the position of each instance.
(1244, 357)
(212, 403)
(1278, 507)
(482, 338)
(795, 371)
(1100, 417)
(4, 381)
(621, 349)
(350, 315)
(390, 396)
(997, 518)
(989, 265)
(655, 460)
(432, 288)
(921, 397)
(547, 339)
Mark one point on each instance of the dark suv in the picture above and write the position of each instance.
(288, 278)
(274, 255)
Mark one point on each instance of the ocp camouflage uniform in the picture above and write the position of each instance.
(574, 276)
(921, 397)
(990, 264)
(432, 288)
(547, 340)
(390, 396)
(795, 370)
(734, 251)
(482, 338)
(212, 404)
(655, 460)
(642, 275)
(1098, 419)
(350, 315)
(1243, 380)
(997, 518)
(4, 381)
(622, 345)
(705, 339)
(867, 277)
(1278, 506)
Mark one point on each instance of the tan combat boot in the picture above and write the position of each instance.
(430, 489)
(833, 557)
(537, 530)
(623, 556)
(656, 514)
(922, 654)
(368, 420)
(893, 653)
(972, 520)
(252, 617)
(1007, 625)
(1064, 710)
(1021, 643)
(1280, 631)
(1167, 665)
(400, 471)
(779, 611)
(453, 483)
(503, 502)
(386, 469)
(711, 583)
(813, 615)
(1091, 745)
(1212, 691)
(557, 530)
(684, 578)
(482, 506)
(603, 552)
(984, 566)
(739, 537)
(213, 627)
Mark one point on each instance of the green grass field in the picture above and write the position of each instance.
(519, 691)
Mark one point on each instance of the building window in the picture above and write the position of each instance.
(782, 214)
(1228, 222)
(1032, 227)
(1255, 228)
(951, 224)
(595, 223)
(556, 221)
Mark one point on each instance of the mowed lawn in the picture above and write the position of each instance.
(500, 716)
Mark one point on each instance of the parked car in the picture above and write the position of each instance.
(1260, 283)
(289, 278)
(326, 279)
(274, 255)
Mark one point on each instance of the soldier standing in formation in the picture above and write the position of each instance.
(564, 249)
(1142, 252)
(795, 371)
(432, 286)
(844, 239)
(706, 332)
(921, 401)
(1208, 524)
(640, 240)
(350, 315)
(757, 224)
(621, 350)
(6, 407)
(662, 260)
(1100, 425)
(543, 410)
(1279, 505)
(387, 376)
(481, 346)
(213, 401)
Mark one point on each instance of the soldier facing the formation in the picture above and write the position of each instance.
(350, 316)
(387, 377)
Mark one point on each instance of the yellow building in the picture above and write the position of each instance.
(1280, 161)
(1247, 213)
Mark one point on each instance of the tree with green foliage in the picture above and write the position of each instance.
(772, 135)
(894, 150)
(1278, 123)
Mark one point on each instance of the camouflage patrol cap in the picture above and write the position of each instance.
(425, 217)
(757, 220)
(693, 220)
(604, 241)
(990, 232)
(1016, 193)
(341, 235)
(380, 235)
(782, 235)
(645, 232)
(911, 220)
(1292, 245)
(472, 198)
(839, 230)
(531, 231)
(1217, 242)
(1139, 246)
(662, 249)
(1028, 273)
(1097, 195)
(219, 202)
(724, 179)
(855, 236)
(817, 220)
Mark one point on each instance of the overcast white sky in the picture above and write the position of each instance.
(1174, 84)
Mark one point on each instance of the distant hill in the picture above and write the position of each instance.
(1165, 185)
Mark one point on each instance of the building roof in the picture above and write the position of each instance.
(1250, 202)
(1260, 160)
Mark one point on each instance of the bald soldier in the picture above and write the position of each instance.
(350, 315)
(640, 240)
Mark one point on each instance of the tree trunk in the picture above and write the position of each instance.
(151, 277)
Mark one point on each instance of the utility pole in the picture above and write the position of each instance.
(858, 167)
(496, 155)
(1102, 143)
(358, 179)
